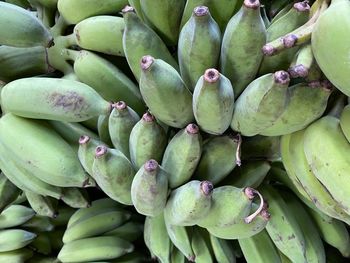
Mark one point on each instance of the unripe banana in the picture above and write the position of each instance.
(21, 28)
(165, 93)
(39, 224)
(164, 17)
(86, 152)
(201, 248)
(41, 244)
(22, 3)
(94, 249)
(8, 192)
(199, 46)
(156, 238)
(303, 62)
(176, 256)
(213, 102)
(15, 215)
(109, 81)
(129, 231)
(222, 249)
(113, 173)
(218, 158)
(136, 4)
(100, 33)
(241, 46)
(12, 239)
(53, 99)
(306, 104)
(135, 35)
(51, 159)
(259, 249)
(16, 256)
(121, 121)
(147, 141)
(261, 103)
(17, 62)
(102, 129)
(64, 214)
(76, 11)
(42, 205)
(189, 203)
(345, 122)
(75, 197)
(149, 189)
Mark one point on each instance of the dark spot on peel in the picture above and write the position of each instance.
(291, 237)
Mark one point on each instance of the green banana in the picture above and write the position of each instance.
(189, 203)
(136, 34)
(41, 244)
(16, 256)
(100, 33)
(259, 248)
(149, 189)
(241, 46)
(64, 214)
(306, 104)
(303, 62)
(102, 129)
(22, 28)
(76, 11)
(213, 102)
(121, 121)
(147, 141)
(129, 231)
(295, 17)
(15, 215)
(42, 152)
(281, 12)
(182, 155)
(72, 131)
(86, 151)
(155, 12)
(39, 224)
(283, 227)
(113, 173)
(314, 249)
(261, 103)
(261, 148)
(344, 122)
(12, 239)
(333, 233)
(136, 4)
(19, 62)
(172, 103)
(336, 23)
(326, 150)
(250, 174)
(198, 46)
(176, 256)
(53, 99)
(95, 248)
(75, 197)
(95, 224)
(42, 205)
(276, 6)
(52, 4)
(156, 238)
(22, 3)
(109, 81)
(222, 250)
(201, 249)
(218, 158)
(56, 238)
(8, 191)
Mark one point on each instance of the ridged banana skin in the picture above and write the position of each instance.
(259, 249)
(8, 191)
(260, 105)
(306, 104)
(76, 11)
(101, 33)
(333, 233)
(114, 174)
(75, 197)
(201, 248)
(165, 93)
(96, 248)
(12, 239)
(345, 122)
(22, 28)
(303, 172)
(314, 250)
(15, 215)
(16, 256)
(136, 34)
(18, 62)
(222, 249)
(198, 46)
(109, 81)
(244, 36)
(335, 65)
(42, 151)
(164, 17)
(42, 205)
(283, 227)
(95, 225)
(328, 154)
(156, 238)
(53, 99)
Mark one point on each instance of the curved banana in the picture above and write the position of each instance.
(102, 129)
(129, 231)
(42, 205)
(86, 152)
(180, 236)
(345, 122)
(15, 215)
(75, 197)
(16, 256)
(41, 244)
(12, 239)
(222, 249)
(38, 224)
(303, 62)
(8, 191)
(201, 248)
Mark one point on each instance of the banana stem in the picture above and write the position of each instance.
(59, 27)
(70, 54)
(70, 40)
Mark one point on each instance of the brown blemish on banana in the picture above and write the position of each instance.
(70, 101)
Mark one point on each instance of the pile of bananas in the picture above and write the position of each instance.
(174, 131)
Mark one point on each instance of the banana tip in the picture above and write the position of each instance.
(192, 128)
(211, 75)
(148, 117)
(84, 139)
(252, 4)
(290, 40)
(302, 6)
(146, 62)
(151, 165)
(201, 10)
(282, 77)
(100, 151)
(120, 105)
(127, 9)
(268, 50)
(206, 188)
